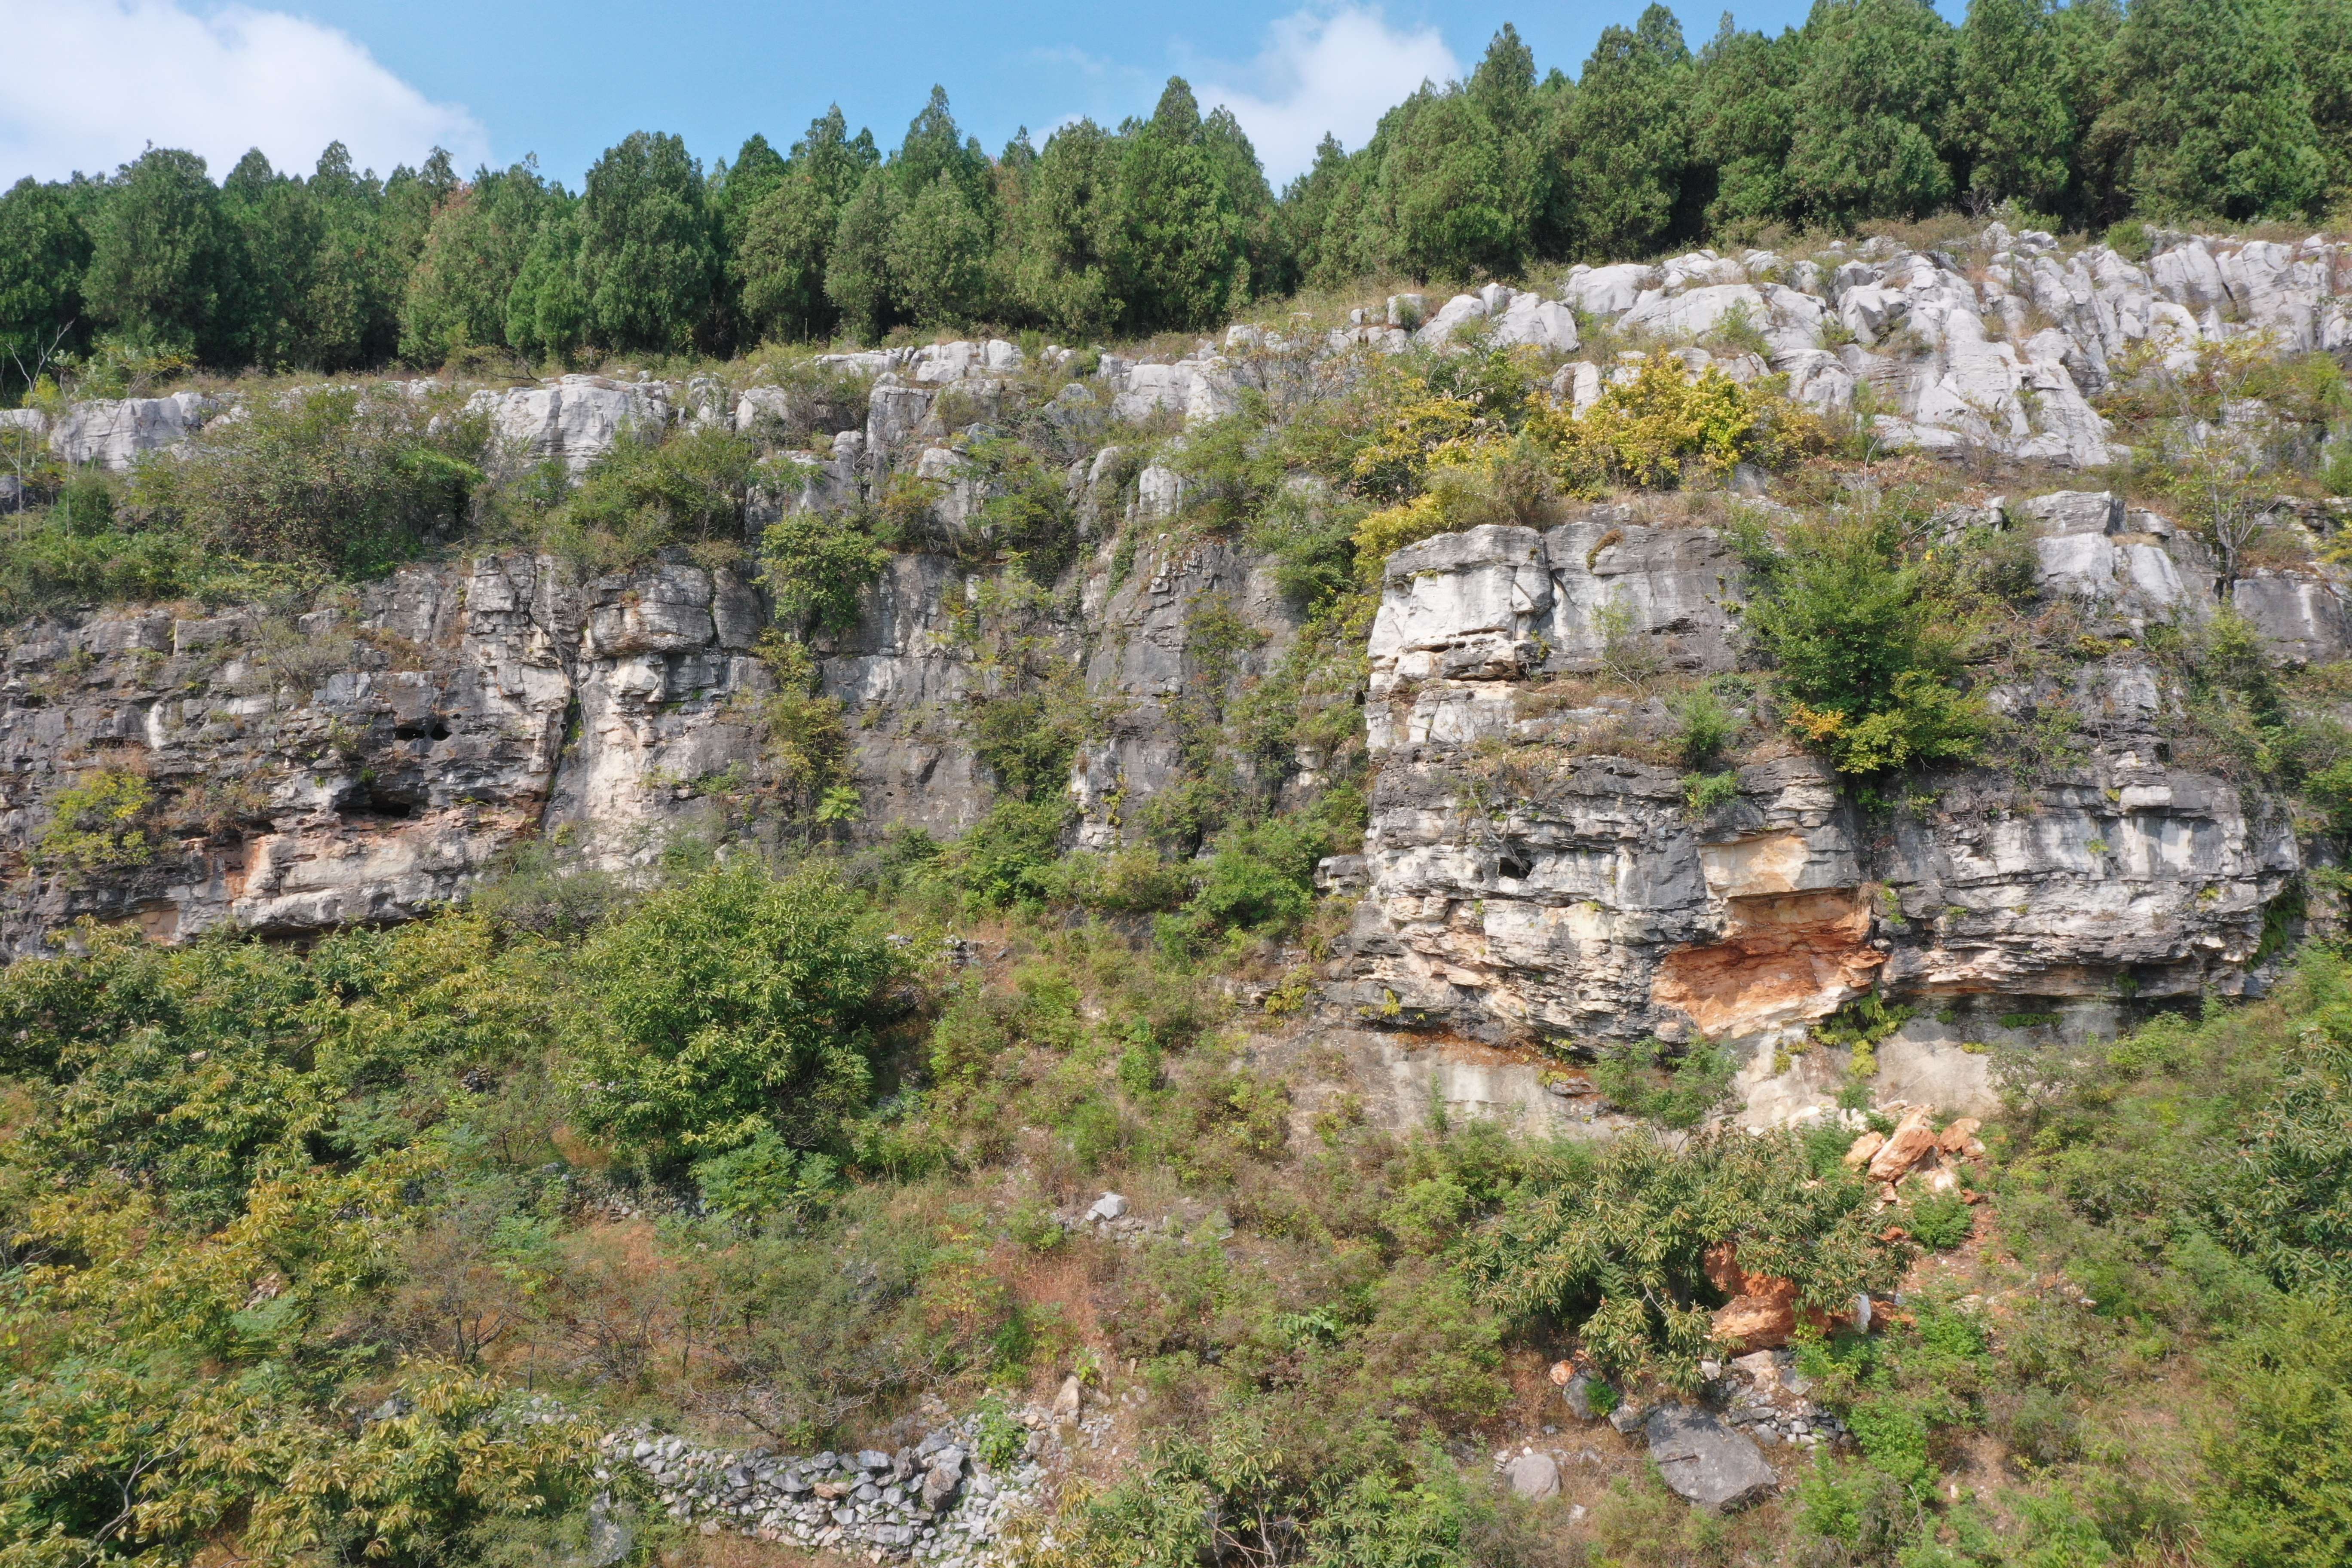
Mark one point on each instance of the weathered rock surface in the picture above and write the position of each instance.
(369, 762)
(1534, 1476)
(1706, 1461)
(575, 419)
(1549, 890)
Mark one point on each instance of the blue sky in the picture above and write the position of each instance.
(498, 79)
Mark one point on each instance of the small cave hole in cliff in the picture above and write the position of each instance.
(376, 799)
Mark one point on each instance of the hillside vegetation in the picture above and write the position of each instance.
(787, 1129)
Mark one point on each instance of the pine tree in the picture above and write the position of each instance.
(1441, 203)
(1180, 251)
(2084, 32)
(1628, 138)
(457, 292)
(1317, 213)
(780, 267)
(648, 262)
(547, 310)
(2013, 126)
(1870, 101)
(938, 255)
(350, 314)
(1059, 238)
(1743, 110)
(2323, 33)
(276, 229)
(857, 267)
(162, 259)
(778, 262)
(837, 160)
(2211, 117)
(1233, 161)
(44, 250)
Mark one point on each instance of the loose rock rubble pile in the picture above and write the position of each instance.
(936, 1501)
(1764, 1396)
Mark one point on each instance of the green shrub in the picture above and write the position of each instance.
(332, 479)
(817, 567)
(1651, 1078)
(733, 1004)
(1261, 879)
(98, 823)
(1027, 516)
(1613, 1242)
(762, 1177)
(646, 494)
(1940, 1221)
(1704, 725)
(2281, 1489)
(1702, 793)
(1903, 1389)
(82, 548)
(2130, 240)
(1008, 855)
(1864, 656)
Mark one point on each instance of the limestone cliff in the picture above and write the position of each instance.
(1528, 876)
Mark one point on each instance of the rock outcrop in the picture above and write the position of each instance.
(1536, 870)
(367, 763)
(1530, 879)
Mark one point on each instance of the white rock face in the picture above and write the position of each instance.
(575, 419)
(112, 435)
(1533, 320)
(1450, 317)
(1198, 389)
(959, 361)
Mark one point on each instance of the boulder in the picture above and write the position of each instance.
(1109, 1206)
(575, 418)
(1449, 320)
(1706, 1461)
(1761, 1318)
(1577, 1393)
(940, 1482)
(1534, 1476)
(1609, 290)
(1865, 1148)
(1067, 1403)
(1960, 1137)
(1913, 1139)
(1544, 324)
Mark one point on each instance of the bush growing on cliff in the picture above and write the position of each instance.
(99, 822)
(1676, 1088)
(334, 480)
(817, 567)
(1866, 657)
(646, 494)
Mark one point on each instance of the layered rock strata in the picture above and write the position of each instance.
(1526, 881)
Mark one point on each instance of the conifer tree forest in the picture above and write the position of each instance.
(2081, 115)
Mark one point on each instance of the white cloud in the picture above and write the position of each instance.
(1336, 72)
(96, 81)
